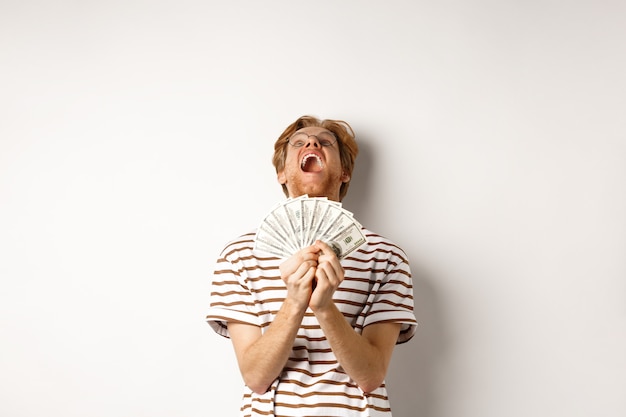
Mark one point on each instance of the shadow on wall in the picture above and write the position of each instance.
(410, 379)
(358, 198)
(412, 369)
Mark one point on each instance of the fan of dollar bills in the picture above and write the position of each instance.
(298, 222)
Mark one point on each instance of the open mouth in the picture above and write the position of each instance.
(311, 163)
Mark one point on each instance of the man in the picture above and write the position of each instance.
(314, 335)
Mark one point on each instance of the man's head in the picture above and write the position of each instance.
(315, 157)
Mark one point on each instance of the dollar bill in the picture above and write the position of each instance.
(298, 222)
(346, 241)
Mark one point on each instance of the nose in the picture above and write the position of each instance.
(315, 142)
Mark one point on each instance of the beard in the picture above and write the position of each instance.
(322, 187)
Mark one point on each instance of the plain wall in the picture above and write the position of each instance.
(136, 138)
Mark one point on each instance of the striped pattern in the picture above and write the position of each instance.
(377, 288)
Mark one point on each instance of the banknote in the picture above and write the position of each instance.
(346, 241)
(296, 223)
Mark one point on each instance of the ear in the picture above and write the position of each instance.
(281, 177)
(345, 177)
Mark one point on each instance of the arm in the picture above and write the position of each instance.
(262, 356)
(364, 357)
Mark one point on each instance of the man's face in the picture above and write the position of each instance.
(313, 165)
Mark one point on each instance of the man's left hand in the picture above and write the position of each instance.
(328, 275)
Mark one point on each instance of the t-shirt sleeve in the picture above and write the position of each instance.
(231, 299)
(393, 301)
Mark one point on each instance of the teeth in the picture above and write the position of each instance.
(309, 156)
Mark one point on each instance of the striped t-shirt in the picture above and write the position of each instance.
(377, 287)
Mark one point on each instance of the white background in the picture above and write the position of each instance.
(136, 138)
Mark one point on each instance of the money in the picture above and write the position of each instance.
(298, 222)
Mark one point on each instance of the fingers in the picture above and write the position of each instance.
(328, 257)
(327, 281)
(327, 275)
(306, 270)
(316, 262)
(308, 255)
(299, 283)
(324, 248)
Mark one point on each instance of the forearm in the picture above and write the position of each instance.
(262, 360)
(364, 361)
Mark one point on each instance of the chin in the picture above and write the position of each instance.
(316, 189)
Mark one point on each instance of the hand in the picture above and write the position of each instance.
(328, 275)
(298, 273)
